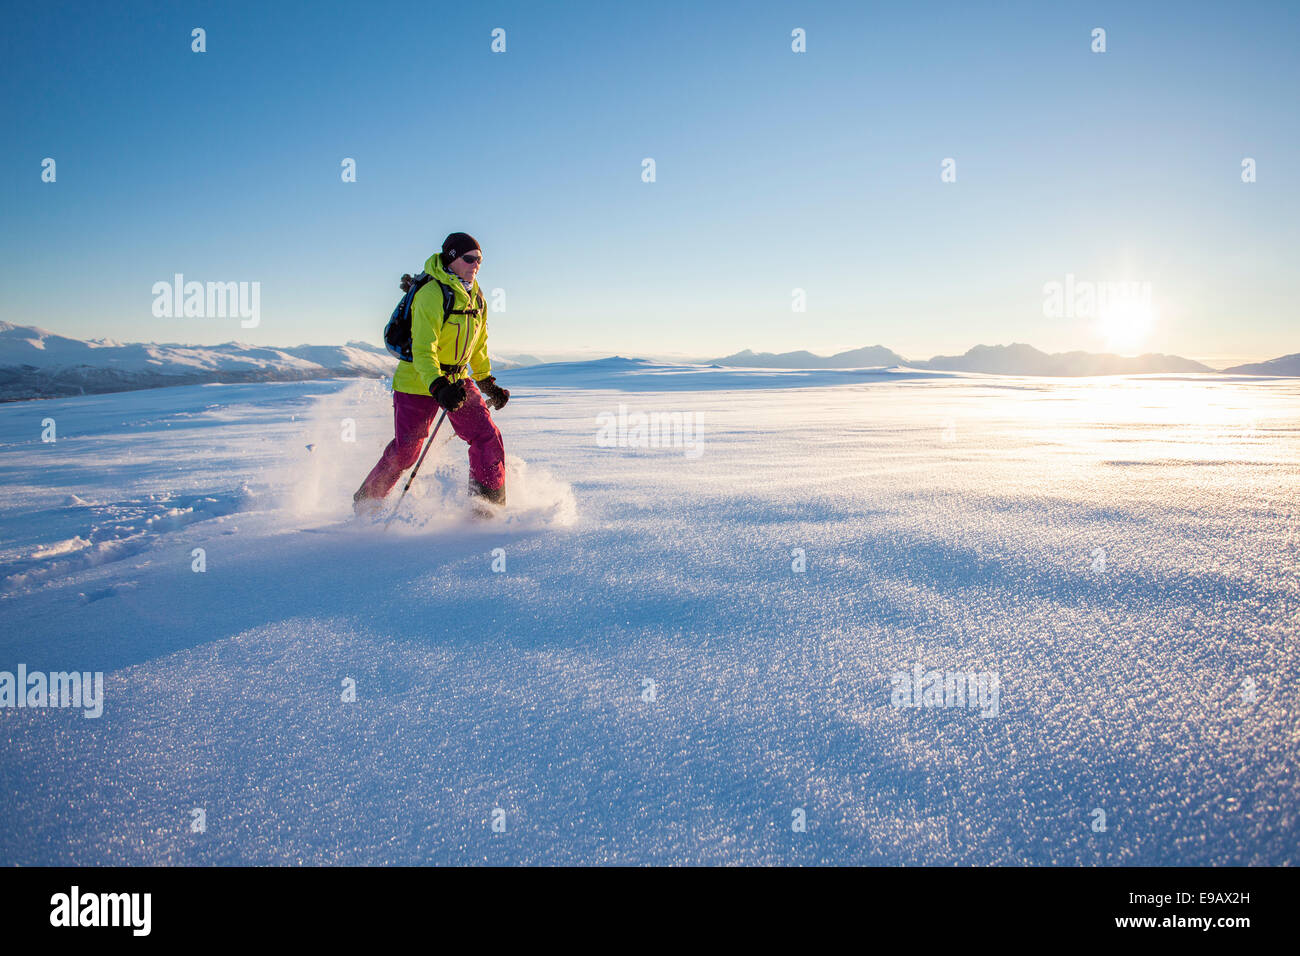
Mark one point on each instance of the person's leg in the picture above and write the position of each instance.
(412, 416)
(487, 453)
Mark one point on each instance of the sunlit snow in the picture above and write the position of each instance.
(679, 652)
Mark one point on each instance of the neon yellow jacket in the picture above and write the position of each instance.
(443, 340)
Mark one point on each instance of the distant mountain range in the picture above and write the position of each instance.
(35, 363)
(873, 356)
(1020, 359)
(1015, 359)
(1286, 365)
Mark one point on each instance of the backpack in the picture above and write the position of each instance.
(397, 333)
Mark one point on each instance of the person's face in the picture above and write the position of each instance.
(466, 267)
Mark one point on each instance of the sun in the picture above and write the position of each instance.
(1125, 326)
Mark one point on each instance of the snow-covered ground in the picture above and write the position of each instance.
(662, 654)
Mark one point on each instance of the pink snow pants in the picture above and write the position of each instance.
(414, 415)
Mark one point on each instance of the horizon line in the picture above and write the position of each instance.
(686, 358)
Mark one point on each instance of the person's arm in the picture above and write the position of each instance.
(426, 325)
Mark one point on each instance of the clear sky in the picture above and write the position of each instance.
(775, 170)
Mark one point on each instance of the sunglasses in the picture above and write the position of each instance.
(472, 259)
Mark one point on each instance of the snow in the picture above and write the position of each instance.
(1120, 552)
(35, 363)
(1286, 365)
(29, 346)
(644, 375)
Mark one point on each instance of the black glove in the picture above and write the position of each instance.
(450, 395)
(496, 395)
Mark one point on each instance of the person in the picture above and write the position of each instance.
(441, 348)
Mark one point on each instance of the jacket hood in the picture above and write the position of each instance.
(433, 265)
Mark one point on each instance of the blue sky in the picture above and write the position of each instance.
(775, 170)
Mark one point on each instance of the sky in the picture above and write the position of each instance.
(774, 170)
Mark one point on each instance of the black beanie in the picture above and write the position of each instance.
(456, 245)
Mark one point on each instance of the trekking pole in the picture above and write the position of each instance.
(414, 471)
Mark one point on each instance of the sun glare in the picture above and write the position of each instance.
(1125, 326)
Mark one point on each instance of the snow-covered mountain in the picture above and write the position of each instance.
(28, 346)
(629, 374)
(869, 357)
(1285, 365)
(1014, 359)
(36, 363)
(1021, 359)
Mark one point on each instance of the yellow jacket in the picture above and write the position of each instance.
(438, 340)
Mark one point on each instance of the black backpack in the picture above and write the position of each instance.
(397, 333)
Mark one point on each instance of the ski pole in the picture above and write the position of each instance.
(414, 471)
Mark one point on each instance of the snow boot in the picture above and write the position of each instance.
(364, 506)
(482, 499)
